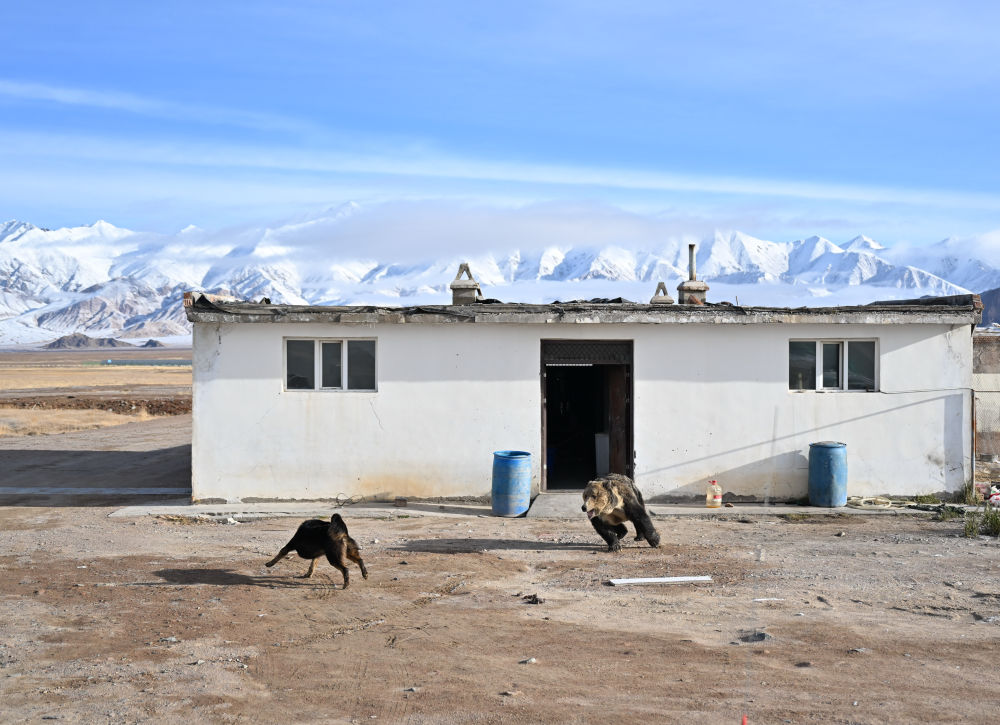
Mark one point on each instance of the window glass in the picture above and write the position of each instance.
(300, 367)
(361, 365)
(801, 365)
(861, 365)
(831, 365)
(332, 377)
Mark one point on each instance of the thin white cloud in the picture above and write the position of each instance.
(142, 105)
(443, 168)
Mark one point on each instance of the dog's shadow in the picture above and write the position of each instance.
(474, 546)
(228, 578)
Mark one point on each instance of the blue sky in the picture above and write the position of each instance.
(780, 119)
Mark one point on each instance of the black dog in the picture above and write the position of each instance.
(316, 537)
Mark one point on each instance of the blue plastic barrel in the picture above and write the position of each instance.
(828, 474)
(511, 495)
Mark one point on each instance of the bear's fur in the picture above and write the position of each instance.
(316, 537)
(609, 501)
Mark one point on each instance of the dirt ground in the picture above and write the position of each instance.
(478, 619)
(468, 618)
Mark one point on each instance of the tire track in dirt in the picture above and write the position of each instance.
(274, 669)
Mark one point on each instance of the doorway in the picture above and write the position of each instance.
(586, 411)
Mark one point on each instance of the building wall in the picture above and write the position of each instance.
(720, 400)
(711, 401)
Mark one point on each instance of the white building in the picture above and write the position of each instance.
(313, 402)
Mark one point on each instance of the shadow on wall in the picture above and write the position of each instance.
(952, 464)
(779, 478)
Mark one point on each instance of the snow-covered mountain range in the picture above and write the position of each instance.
(104, 280)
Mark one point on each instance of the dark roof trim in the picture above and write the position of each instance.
(958, 310)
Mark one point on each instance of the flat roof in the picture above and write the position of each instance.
(953, 310)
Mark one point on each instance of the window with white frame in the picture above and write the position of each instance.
(832, 365)
(347, 364)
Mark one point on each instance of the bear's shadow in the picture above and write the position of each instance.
(474, 546)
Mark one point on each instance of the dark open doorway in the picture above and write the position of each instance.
(586, 411)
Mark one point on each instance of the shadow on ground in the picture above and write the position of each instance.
(442, 508)
(94, 478)
(228, 578)
(472, 546)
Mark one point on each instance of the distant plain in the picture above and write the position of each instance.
(57, 391)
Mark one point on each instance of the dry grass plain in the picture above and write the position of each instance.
(85, 371)
(48, 421)
(55, 391)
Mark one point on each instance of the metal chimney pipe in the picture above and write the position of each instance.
(691, 271)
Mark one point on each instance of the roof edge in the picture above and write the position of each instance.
(955, 310)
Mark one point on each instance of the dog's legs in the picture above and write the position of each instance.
(335, 555)
(608, 533)
(354, 555)
(643, 525)
(312, 568)
(281, 555)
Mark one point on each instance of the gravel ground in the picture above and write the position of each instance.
(475, 619)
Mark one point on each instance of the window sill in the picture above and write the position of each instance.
(830, 391)
(329, 390)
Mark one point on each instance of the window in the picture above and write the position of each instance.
(832, 365)
(330, 362)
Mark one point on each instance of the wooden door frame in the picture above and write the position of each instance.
(570, 351)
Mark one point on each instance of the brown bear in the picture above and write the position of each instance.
(609, 501)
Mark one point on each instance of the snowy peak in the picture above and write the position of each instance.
(737, 258)
(861, 243)
(11, 231)
(106, 280)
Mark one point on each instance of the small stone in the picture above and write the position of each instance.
(529, 661)
(169, 639)
(859, 650)
(510, 693)
(803, 664)
(855, 703)
(197, 662)
(412, 689)
(841, 533)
